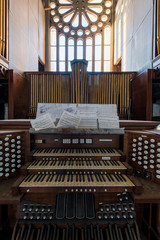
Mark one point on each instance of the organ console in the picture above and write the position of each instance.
(79, 184)
(88, 167)
(76, 168)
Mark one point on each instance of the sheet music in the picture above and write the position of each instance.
(80, 115)
(108, 122)
(68, 120)
(42, 122)
(55, 109)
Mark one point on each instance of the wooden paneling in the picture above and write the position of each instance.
(17, 96)
(127, 124)
(141, 88)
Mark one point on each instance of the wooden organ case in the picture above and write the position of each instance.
(76, 185)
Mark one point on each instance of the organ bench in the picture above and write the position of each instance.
(76, 184)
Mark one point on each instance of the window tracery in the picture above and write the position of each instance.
(86, 29)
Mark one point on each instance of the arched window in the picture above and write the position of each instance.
(62, 52)
(98, 52)
(53, 44)
(107, 48)
(79, 49)
(70, 52)
(83, 31)
(89, 47)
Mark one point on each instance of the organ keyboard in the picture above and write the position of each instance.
(80, 169)
(110, 166)
(87, 152)
(102, 182)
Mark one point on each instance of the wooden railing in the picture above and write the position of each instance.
(101, 88)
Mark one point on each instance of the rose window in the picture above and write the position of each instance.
(81, 29)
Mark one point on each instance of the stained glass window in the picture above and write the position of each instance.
(83, 29)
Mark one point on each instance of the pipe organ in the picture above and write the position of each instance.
(79, 184)
(77, 167)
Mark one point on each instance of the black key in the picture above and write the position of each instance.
(83, 177)
(88, 177)
(28, 178)
(80, 205)
(97, 163)
(108, 163)
(116, 177)
(43, 177)
(60, 206)
(96, 176)
(63, 177)
(44, 163)
(59, 162)
(112, 163)
(39, 177)
(91, 177)
(108, 177)
(102, 175)
(36, 178)
(68, 177)
(76, 177)
(123, 178)
(80, 177)
(70, 205)
(51, 177)
(89, 202)
(71, 177)
(56, 177)
(60, 177)
(111, 177)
